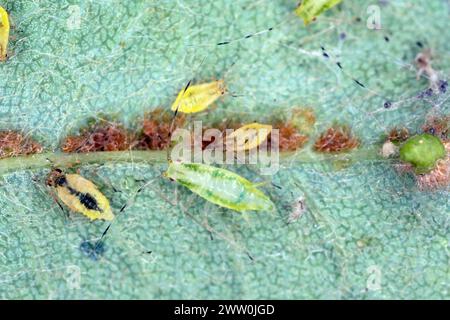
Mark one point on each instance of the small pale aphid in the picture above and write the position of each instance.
(4, 34)
(298, 209)
(80, 195)
(250, 136)
(198, 97)
(423, 61)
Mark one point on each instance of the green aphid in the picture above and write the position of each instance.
(422, 152)
(219, 186)
(310, 9)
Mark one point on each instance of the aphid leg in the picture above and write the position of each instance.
(55, 198)
(133, 197)
(205, 225)
(38, 181)
(12, 22)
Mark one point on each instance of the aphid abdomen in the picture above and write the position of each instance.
(220, 186)
(81, 195)
(87, 200)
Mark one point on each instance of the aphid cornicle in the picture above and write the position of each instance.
(80, 195)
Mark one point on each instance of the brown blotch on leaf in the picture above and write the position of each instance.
(290, 139)
(439, 177)
(293, 127)
(102, 136)
(336, 139)
(156, 129)
(397, 135)
(438, 126)
(13, 144)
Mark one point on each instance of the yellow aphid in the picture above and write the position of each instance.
(250, 136)
(4, 33)
(310, 9)
(198, 97)
(80, 195)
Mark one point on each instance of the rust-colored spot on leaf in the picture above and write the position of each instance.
(102, 136)
(13, 144)
(336, 139)
(397, 135)
(290, 137)
(439, 177)
(156, 129)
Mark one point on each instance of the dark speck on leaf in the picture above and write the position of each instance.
(432, 131)
(443, 84)
(429, 92)
(386, 39)
(387, 104)
(419, 44)
(92, 250)
(342, 36)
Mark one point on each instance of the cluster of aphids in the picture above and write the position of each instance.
(102, 136)
(81, 195)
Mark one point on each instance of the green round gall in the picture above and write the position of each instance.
(422, 152)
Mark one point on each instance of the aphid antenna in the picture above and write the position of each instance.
(99, 242)
(289, 17)
(139, 190)
(126, 205)
(338, 63)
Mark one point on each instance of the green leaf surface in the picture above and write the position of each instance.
(368, 232)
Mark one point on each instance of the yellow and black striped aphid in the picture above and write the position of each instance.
(80, 195)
